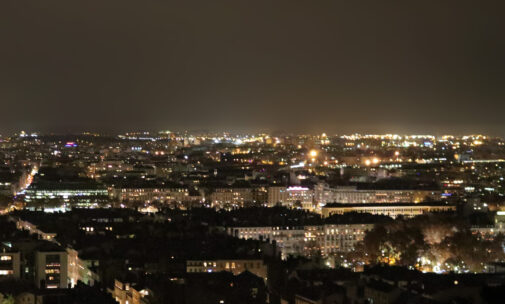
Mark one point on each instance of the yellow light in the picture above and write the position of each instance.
(313, 153)
(367, 162)
(375, 160)
(397, 153)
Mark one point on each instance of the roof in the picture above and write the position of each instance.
(65, 185)
(316, 293)
(50, 247)
(398, 184)
(394, 273)
(356, 218)
(423, 204)
(380, 286)
(7, 248)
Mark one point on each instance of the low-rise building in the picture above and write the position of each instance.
(79, 270)
(33, 229)
(127, 293)
(353, 195)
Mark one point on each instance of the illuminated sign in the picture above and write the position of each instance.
(70, 144)
(297, 188)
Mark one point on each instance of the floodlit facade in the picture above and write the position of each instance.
(32, 229)
(343, 238)
(125, 293)
(291, 197)
(392, 210)
(33, 194)
(351, 195)
(307, 240)
(78, 270)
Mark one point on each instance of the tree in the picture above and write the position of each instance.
(373, 241)
(9, 299)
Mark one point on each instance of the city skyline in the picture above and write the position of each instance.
(210, 133)
(252, 152)
(149, 217)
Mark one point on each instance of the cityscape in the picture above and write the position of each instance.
(177, 217)
(252, 152)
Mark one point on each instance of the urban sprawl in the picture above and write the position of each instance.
(198, 217)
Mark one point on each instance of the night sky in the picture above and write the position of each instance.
(314, 65)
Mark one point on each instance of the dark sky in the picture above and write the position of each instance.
(313, 65)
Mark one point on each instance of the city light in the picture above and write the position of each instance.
(284, 152)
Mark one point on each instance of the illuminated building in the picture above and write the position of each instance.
(500, 219)
(343, 237)
(252, 233)
(235, 266)
(10, 266)
(313, 239)
(128, 293)
(79, 270)
(392, 210)
(307, 240)
(233, 196)
(32, 229)
(82, 192)
(277, 194)
(352, 195)
(153, 193)
(51, 269)
(291, 197)
(289, 240)
(106, 167)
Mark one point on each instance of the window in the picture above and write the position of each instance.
(6, 272)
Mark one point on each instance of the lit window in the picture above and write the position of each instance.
(6, 272)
